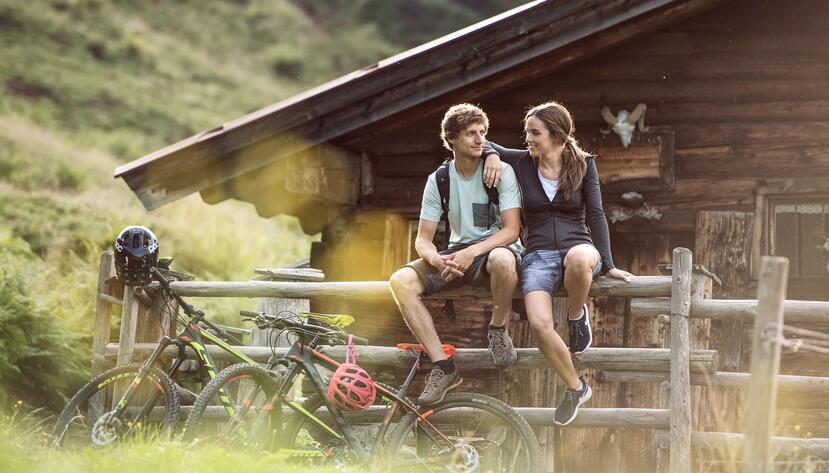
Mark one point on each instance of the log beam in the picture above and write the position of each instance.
(789, 384)
(716, 309)
(640, 359)
(629, 418)
(643, 286)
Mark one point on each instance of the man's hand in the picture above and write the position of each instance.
(457, 264)
(492, 170)
(450, 270)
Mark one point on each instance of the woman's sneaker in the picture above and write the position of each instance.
(581, 337)
(501, 348)
(568, 408)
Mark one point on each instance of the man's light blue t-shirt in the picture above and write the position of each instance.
(469, 204)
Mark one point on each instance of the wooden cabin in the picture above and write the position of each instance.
(733, 163)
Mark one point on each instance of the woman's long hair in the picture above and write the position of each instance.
(559, 123)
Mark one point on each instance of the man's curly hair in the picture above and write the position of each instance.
(457, 118)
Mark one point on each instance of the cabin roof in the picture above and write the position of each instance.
(572, 30)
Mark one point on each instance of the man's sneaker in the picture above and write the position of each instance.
(437, 384)
(568, 408)
(581, 336)
(501, 349)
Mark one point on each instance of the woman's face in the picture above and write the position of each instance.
(540, 141)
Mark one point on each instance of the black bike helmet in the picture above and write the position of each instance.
(136, 251)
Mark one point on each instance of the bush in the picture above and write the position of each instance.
(40, 362)
(286, 61)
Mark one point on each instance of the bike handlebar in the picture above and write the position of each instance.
(263, 320)
(190, 309)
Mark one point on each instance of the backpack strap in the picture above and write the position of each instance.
(492, 195)
(442, 180)
(443, 183)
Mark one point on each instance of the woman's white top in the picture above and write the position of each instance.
(550, 186)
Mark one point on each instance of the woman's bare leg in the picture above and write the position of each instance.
(578, 275)
(540, 314)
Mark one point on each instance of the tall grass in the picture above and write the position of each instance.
(24, 447)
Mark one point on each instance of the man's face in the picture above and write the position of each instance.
(470, 141)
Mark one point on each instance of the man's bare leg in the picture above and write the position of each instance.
(406, 287)
(503, 279)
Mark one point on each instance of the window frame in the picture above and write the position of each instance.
(764, 226)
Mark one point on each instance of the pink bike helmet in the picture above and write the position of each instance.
(351, 388)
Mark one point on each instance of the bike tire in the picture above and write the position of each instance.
(412, 439)
(81, 423)
(239, 382)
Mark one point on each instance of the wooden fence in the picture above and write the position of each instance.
(675, 300)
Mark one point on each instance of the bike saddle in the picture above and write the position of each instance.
(337, 320)
(448, 350)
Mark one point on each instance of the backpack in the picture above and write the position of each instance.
(442, 180)
(443, 183)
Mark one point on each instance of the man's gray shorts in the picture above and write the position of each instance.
(476, 274)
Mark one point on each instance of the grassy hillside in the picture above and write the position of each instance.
(86, 85)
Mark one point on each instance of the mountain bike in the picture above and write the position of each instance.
(464, 433)
(120, 402)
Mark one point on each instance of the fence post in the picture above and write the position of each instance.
(765, 364)
(282, 307)
(680, 358)
(103, 313)
(103, 325)
(129, 326)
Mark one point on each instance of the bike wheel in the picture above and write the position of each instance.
(89, 418)
(235, 408)
(464, 433)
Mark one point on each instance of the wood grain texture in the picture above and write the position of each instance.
(390, 358)
(807, 312)
(765, 365)
(680, 373)
(379, 290)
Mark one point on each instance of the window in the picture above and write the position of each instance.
(798, 228)
(801, 233)
(438, 240)
(399, 241)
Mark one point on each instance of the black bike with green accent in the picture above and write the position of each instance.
(464, 433)
(124, 402)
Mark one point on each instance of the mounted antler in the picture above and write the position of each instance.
(609, 118)
(638, 115)
(625, 122)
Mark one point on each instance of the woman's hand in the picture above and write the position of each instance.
(492, 170)
(617, 273)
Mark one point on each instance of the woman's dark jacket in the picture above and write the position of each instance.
(560, 224)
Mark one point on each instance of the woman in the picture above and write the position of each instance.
(560, 193)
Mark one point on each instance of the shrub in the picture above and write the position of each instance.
(40, 362)
(286, 61)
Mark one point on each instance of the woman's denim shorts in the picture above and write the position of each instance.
(543, 270)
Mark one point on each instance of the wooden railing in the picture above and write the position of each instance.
(673, 300)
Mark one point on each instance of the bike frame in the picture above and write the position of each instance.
(193, 336)
(304, 360)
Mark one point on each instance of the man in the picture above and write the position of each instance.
(482, 249)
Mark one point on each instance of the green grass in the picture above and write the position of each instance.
(24, 447)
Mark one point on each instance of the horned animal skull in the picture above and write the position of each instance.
(625, 122)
